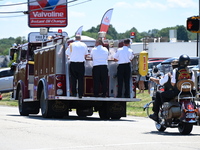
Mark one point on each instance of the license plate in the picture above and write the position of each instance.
(190, 115)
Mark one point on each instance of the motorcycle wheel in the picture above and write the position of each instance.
(185, 128)
(160, 127)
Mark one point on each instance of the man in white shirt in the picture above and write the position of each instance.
(77, 51)
(163, 96)
(99, 55)
(123, 56)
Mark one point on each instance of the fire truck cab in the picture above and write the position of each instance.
(42, 81)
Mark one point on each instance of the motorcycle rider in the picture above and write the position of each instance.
(163, 96)
(182, 72)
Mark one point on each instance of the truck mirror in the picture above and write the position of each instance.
(13, 66)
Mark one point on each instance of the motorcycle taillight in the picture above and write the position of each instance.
(190, 107)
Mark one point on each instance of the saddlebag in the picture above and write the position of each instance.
(198, 110)
(171, 110)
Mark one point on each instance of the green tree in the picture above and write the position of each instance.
(93, 32)
(112, 33)
(165, 32)
(153, 33)
(6, 43)
(90, 34)
(20, 40)
(182, 33)
(192, 36)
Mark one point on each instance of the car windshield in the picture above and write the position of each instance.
(165, 66)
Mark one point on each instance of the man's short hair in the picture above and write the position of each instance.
(127, 41)
(100, 41)
(77, 37)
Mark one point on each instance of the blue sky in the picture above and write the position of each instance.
(144, 15)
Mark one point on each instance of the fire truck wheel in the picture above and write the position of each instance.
(103, 113)
(83, 112)
(44, 105)
(22, 105)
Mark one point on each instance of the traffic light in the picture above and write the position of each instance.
(132, 35)
(193, 24)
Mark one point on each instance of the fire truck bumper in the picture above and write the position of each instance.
(112, 99)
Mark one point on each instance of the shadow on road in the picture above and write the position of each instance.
(72, 118)
(165, 133)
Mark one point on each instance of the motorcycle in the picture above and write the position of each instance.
(180, 112)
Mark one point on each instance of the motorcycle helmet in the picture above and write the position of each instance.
(155, 70)
(184, 60)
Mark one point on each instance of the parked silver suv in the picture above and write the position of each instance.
(6, 80)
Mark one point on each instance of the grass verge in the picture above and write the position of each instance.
(6, 100)
(136, 108)
(133, 108)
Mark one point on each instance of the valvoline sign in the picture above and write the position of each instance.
(47, 13)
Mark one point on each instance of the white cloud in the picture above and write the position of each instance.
(149, 4)
(122, 5)
(158, 5)
(141, 5)
(182, 3)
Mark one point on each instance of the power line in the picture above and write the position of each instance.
(27, 12)
(13, 16)
(18, 3)
(80, 3)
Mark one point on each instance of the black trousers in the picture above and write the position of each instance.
(123, 76)
(77, 71)
(161, 97)
(157, 103)
(100, 78)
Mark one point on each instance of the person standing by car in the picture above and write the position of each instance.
(99, 55)
(77, 51)
(123, 56)
(141, 84)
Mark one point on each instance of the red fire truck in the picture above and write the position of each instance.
(42, 81)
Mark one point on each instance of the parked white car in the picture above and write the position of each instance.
(6, 80)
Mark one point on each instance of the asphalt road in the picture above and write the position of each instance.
(130, 133)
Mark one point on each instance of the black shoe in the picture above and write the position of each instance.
(154, 117)
(74, 95)
(80, 96)
(103, 95)
(126, 96)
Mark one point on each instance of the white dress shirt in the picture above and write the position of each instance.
(99, 55)
(77, 51)
(164, 79)
(124, 55)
